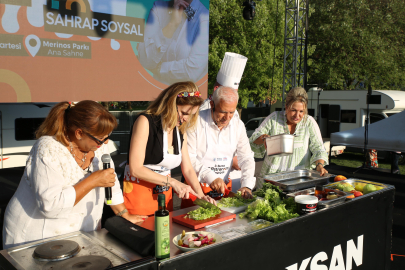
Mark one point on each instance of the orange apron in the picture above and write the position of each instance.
(140, 197)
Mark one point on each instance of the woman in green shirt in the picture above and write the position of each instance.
(309, 152)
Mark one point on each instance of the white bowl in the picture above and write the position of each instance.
(176, 239)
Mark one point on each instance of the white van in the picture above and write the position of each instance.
(340, 110)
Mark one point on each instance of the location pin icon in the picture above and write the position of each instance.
(33, 43)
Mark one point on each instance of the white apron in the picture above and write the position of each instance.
(218, 157)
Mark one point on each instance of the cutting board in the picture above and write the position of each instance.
(197, 224)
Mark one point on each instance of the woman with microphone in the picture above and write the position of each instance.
(63, 186)
(158, 145)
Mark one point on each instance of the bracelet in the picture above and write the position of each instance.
(122, 212)
(318, 164)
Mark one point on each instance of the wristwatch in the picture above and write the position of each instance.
(318, 164)
(122, 212)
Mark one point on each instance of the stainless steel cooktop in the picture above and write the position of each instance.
(21, 257)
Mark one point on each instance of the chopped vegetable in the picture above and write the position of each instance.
(200, 239)
(203, 213)
(236, 201)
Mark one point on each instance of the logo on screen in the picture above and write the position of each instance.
(82, 4)
(75, 17)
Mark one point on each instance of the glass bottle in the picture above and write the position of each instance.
(319, 191)
(162, 230)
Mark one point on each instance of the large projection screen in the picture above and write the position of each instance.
(104, 50)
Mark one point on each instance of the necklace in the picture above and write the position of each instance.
(74, 155)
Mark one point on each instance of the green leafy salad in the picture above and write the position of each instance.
(203, 213)
(272, 207)
(236, 201)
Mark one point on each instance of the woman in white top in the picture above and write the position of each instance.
(62, 189)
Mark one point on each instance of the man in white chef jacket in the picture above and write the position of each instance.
(230, 74)
(217, 138)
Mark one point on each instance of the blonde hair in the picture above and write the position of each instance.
(87, 115)
(166, 103)
(297, 94)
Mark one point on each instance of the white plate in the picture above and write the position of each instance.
(176, 239)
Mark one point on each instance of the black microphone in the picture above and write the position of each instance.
(106, 165)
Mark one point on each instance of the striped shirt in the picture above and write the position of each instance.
(308, 144)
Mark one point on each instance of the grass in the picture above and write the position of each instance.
(355, 160)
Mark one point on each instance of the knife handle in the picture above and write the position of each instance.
(192, 197)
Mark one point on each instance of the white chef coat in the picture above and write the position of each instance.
(183, 57)
(197, 147)
(43, 205)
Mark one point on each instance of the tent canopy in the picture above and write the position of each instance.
(384, 135)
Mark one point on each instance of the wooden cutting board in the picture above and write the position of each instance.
(197, 224)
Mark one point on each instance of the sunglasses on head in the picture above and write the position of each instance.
(99, 142)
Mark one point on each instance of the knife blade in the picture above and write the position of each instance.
(201, 202)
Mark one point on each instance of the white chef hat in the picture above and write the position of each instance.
(231, 70)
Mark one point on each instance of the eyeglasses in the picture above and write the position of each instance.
(99, 142)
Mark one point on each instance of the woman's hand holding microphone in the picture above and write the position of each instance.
(103, 178)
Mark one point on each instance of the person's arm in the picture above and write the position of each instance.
(194, 67)
(155, 45)
(257, 139)
(189, 173)
(139, 140)
(133, 218)
(54, 198)
(319, 154)
(246, 161)
(101, 178)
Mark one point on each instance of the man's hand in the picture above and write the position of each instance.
(246, 193)
(235, 164)
(218, 185)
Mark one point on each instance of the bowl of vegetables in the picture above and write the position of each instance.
(194, 240)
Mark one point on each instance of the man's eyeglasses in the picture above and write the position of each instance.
(99, 142)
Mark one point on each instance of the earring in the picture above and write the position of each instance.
(80, 139)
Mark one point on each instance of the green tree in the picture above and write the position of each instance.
(357, 41)
(255, 39)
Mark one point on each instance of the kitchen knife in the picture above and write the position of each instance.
(201, 202)
(229, 193)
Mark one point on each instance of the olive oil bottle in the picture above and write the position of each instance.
(162, 230)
